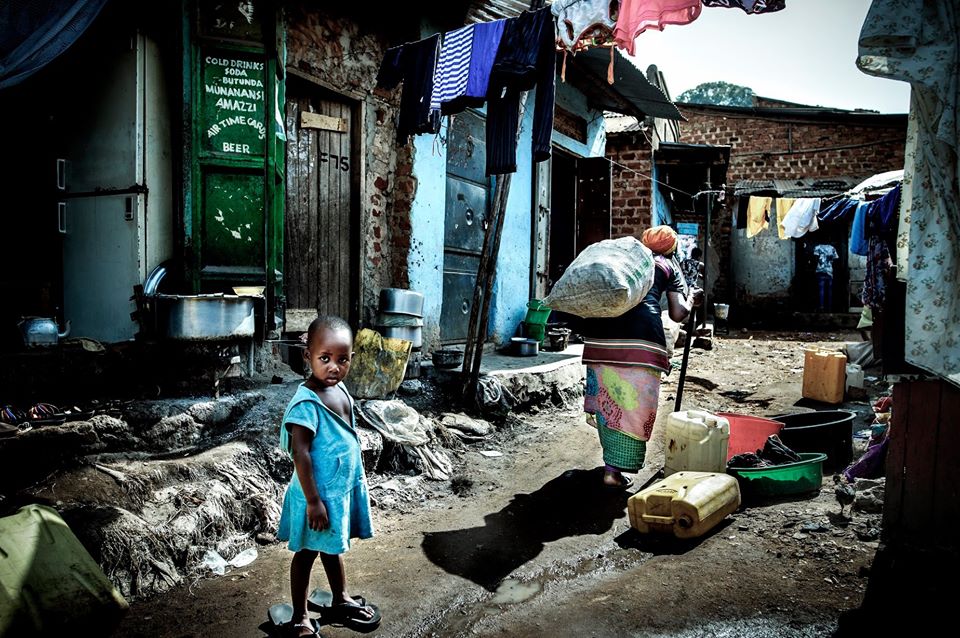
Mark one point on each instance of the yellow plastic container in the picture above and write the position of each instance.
(686, 504)
(824, 375)
(696, 442)
(49, 584)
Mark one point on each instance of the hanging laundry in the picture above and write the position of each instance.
(875, 280)
(469, 88)
(858, 230)
(883, 213)
(453, 66)
(749, 6)
(784, 204)
(758, 214)
(636, 16)
(413, 64)
(526, 59)
(577, 17)
(838, 210)
(802, 217)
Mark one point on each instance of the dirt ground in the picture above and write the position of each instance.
(529, 544)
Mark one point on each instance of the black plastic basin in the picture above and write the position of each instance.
(827, 431)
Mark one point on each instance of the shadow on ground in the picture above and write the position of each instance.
(661, 544)
(572, 504)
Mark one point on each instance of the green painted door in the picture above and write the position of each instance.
(233, 177)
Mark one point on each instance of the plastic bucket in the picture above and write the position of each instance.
(748, 433)
(802, 477)
(537, 313)
(827, 431)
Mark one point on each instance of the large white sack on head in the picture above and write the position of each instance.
(605, 280)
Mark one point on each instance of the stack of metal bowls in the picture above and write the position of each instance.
(400, 316)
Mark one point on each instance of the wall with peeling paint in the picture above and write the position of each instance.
(573, 100)
(763, 265)
(425, 259)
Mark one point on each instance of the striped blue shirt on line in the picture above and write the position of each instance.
(453, 67)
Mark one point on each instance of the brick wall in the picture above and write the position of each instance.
(631, 186)
(787, 148)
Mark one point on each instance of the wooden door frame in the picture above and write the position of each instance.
(317, 88)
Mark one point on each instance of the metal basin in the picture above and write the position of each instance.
(409, 333)
(401, 302)
(203, 317)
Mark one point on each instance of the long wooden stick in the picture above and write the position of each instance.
(488, 280)
(486, 273)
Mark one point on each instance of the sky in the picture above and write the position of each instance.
(805, 53)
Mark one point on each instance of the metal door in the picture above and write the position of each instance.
(321, 242)
(593, 201)
(467, 201)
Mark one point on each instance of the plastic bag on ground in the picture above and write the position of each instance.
(395, 420)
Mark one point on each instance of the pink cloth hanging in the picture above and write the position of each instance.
(636, 16)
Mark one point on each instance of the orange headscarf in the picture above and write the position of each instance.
(662, 240)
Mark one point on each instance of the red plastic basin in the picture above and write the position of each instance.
(748, 433)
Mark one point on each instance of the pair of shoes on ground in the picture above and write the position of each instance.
(349, 615)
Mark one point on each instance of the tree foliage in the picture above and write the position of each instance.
(718, 93)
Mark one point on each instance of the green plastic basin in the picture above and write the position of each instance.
(782, 480)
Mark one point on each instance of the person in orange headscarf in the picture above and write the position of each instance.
(625, 357)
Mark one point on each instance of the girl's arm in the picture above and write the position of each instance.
(302, 438)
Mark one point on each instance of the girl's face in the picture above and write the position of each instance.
(328, 354)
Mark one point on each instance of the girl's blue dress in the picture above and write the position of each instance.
(338, 472)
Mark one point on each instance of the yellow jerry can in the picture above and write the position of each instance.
(49, 584)
(686, 504)
(824, 375)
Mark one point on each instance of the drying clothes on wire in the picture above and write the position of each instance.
(577, 17)
(784, 204)
(463, 71)
(413, 64)
(749, 6)
(879, 263)
(882, 214)
(483, 52)
(802, 217)
(453, 66)
(758, 214)
(636, 16)
(838, 210)
(858, 230)
(526, 59)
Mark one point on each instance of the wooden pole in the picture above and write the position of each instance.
(486, 272)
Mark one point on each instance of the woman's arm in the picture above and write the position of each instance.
(679, 306)
(316, 511)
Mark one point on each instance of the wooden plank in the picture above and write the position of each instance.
(312, 255)
(323, 122)
(946, 489)
(921, 446)
(899, 429)
(292, 205)
(345, 221)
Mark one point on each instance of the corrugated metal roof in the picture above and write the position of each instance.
(617, 123)
(488, 10)
(804, 187)
(631, 92)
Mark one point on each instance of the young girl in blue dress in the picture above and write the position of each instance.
(326, 503)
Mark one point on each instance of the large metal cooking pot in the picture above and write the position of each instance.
(41, 331)
(203, 317)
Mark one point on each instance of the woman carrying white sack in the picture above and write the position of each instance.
(625, 357)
